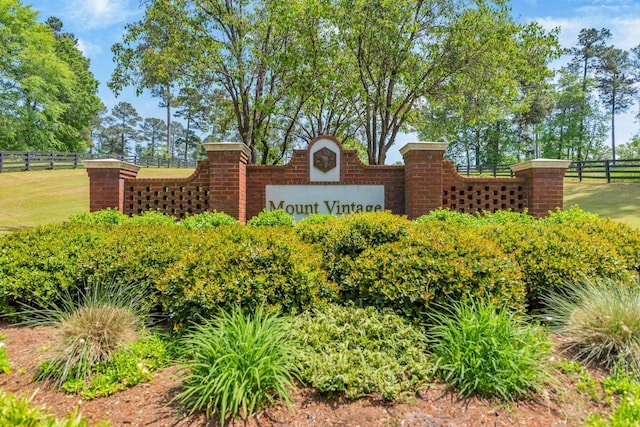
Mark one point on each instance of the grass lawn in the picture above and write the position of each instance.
(620, 201)
(28, 199)
(32, 198)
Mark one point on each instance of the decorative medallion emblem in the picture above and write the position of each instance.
(324, 159)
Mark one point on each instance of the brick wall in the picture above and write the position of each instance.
(226, 183)
(544, 188)
(352, 172)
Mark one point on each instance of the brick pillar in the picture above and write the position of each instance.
(422, 177)
(106, 182)
(544, 184)
(228, 178)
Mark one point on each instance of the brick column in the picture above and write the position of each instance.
(422, 177)
(106, 182)
(228, 178)
(544, 184)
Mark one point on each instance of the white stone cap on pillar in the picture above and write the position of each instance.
(541, 164)
(227, 146)
(110, 164)
(424, 146)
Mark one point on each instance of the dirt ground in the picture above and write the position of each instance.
(148, 404)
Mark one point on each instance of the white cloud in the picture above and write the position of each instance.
(101, 13)
(89, 49)
(622, 21)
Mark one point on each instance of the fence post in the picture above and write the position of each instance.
(1, 160)
(51, 161)
(579, 167)
(27, 161)
(75, 160)
(495, 170)
(607, 170)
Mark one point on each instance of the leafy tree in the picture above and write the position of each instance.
(576, 128)
(82, 102)
(591, 44)
(43, 79)
(616, 81)
(487, 114)
(186, 142)
(140, 61)
(286, 71)
(121, 128)
(443, 52)
(152, 130)
(630, 150)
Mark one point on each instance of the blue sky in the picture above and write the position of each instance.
(100, 23)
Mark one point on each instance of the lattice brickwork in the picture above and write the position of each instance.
(480, 197)
(472, 195)
(177, 197)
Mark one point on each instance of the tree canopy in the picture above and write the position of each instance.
(48, 96)
(285, 70)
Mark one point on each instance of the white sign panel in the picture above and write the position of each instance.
(304, 200)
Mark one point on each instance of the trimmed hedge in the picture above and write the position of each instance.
(186, 272)
(566, 246)
(249, 267)
(35, 265)
(434, 263)
(552, 255)
(341, 239)
(375, 259)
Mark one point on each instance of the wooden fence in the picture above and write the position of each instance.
(609, 170)
(13, 161)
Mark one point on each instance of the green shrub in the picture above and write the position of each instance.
(105, 216)
(237, 364)
(448, 216)
(600, 321)
(5, 363)
(341, 239)
(551, 255)
(275, 218)
(314, 219)
(207, 220)
(16, 411)
(185, 272)
(477, 219)
(69, 256)
(484, 350)
(357, 352)
(152, 217)
(36, 265)
(573, 214)
(248, 266)
(435, 263)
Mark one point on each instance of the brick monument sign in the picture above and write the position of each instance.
(325, 178)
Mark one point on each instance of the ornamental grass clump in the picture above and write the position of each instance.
(600, 320)
(90, 326)
(237, 363)
(481, 349)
